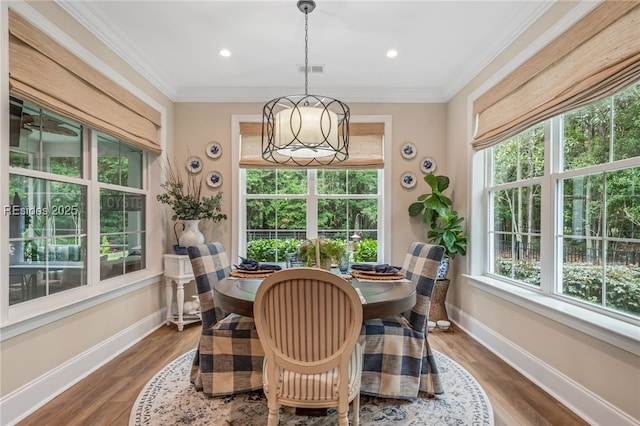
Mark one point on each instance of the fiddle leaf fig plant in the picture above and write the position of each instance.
(433, 204)
(448, 232)
(445, 223)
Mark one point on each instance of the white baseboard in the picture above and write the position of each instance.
(574, 396)
(24, 401)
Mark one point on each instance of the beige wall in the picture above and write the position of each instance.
(35, 353)
(610, 373)
(197, 124)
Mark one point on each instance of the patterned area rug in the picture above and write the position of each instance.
(170, 399)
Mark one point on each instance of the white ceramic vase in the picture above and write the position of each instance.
(191, 236)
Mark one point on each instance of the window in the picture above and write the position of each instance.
(284, 207)
(585, 166)
(51, 189)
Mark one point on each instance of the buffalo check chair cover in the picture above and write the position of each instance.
(398, 361)
(229, 356)
(309, 322)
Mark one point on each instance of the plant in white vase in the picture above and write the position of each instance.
(189, 206)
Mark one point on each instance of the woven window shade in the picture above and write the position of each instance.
(366, 142)
(596, 58)
(43, 72)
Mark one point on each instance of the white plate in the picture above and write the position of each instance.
(428, 165)
(194, 164)
(214, 179)
(408, 150)
(408, 180)
(214, 150)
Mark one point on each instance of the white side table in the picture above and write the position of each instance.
(177, 268)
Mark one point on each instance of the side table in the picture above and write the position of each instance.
(177, 268)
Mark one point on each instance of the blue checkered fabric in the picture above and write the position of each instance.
(229, 356)
(398, 361)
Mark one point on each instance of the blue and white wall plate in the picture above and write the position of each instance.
(214, 150)
(194, 164)
(408, 180)
(428, 165)
(408, 150)
(214, 179)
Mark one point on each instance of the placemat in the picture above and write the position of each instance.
(361, 276)
(240, 274)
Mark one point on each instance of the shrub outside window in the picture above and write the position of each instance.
(285, 207)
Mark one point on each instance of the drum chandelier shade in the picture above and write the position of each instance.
(305, 130)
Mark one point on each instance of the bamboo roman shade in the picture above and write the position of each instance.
(597, 57)
(366, 142)
(45, 73)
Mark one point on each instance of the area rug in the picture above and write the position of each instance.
(169, 399)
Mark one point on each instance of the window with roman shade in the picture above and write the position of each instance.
(45, 73)
(596, 58)
(366, 143)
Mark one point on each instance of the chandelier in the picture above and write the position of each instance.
(305, 130)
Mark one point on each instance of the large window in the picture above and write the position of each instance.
(584, 168)
(51, 186)
(284, 207)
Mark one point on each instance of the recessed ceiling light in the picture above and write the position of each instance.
(392, 53)
(225, 52)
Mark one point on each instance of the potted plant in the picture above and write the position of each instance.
(189, 206)
(329, 251)
(445, 223)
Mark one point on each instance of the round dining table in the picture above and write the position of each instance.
(381, 298)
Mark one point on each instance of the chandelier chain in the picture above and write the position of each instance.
(306, 53)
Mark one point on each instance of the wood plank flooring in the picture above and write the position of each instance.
(107, 395)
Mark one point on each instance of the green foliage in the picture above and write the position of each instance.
(104, 242)
(330, 250)
(268, 250)
(445, 224)
(366, 251)
(186, 200)
(448, 232)
(584, 282)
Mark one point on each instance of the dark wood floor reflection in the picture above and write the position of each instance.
(106, 396)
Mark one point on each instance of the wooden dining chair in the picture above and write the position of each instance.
(229, 355)
(398, 361)
(308, 321)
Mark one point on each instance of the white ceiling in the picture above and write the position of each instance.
(442, 45)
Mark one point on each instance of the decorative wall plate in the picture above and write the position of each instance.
(428, 165)
(214, 179)
(194, 164)
(214, 150)
(408, 151)
(408, 180)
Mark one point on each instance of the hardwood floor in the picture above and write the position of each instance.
(106, 396)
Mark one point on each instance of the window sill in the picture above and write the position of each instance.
(28, 321)
(621, 334)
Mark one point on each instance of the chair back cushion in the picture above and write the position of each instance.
(210, 264)
(307, 319)
(421, 267)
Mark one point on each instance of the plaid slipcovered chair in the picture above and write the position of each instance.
(398, 362)
(229, 356)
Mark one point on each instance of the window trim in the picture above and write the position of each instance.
(621, 334)
(384, 238)
(608, 327)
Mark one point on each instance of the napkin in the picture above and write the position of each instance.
(254, 265)
(380, 268)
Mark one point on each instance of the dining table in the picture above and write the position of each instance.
(380, 297)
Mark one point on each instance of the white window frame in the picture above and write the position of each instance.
(238, 243)
(608, 326)
(21, 319)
